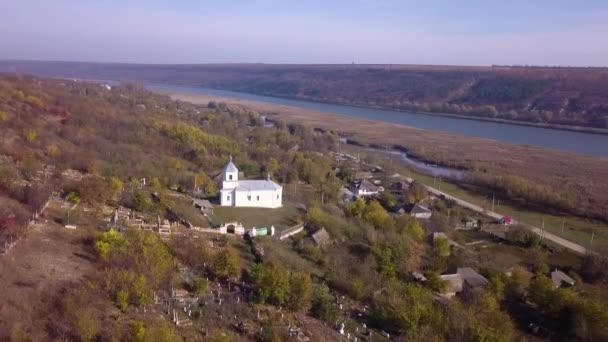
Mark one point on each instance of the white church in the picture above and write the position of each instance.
(248, 193)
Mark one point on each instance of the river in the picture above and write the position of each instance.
(569, 141)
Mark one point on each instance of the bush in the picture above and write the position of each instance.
(323, 306)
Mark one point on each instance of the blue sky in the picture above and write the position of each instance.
(462, 32)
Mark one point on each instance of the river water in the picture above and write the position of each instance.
(577, 142)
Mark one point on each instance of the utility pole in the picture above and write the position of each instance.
(322, 197)
(542, 230)
(563, 222)
(493, 198)
(592, 236)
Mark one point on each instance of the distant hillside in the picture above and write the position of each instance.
(576, 97)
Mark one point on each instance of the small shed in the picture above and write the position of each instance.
(204, 205)
(321, 237)
(561, 279)
(453, 284)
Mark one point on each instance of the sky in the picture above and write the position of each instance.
(452, 32)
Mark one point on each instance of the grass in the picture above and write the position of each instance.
(575, 229)
(281, 218)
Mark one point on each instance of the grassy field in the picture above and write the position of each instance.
(281, 218)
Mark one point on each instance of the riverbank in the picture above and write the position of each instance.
(580, 129)
(582, 178)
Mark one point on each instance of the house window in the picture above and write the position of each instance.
(249, 197)
(230, 177)
(258, 197)
(228, 198)
(277, 196)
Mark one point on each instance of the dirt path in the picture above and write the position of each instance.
(543, 233)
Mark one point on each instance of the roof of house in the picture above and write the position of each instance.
(453, 282)
(205, 204)
(321, 237)
(367, 186)
(471, 277)
(257, 185)
(558, 277)
(420, 209)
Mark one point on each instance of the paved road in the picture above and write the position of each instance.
(542, 233)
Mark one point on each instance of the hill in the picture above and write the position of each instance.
(564, 96)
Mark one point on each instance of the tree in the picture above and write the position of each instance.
(163, 331)
(405, 309)
(387, 200)
(73, 197)
(141, 201)
(441, 247)
(122, 299)
(138, 332)
(199, 285)
(109, 241)
(323, 304)
(594, 268)
(300, 292)
(227, 263)
(86, 325)
(356, 208)
(115, 185)
(375, 215)
(416, 193)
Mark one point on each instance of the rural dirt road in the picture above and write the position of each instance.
(543, 233)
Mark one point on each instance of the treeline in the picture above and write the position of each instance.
(565, 96)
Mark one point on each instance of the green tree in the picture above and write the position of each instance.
(138, 332)
(300, 292)
(355, 208)
(375, 215)
(199, 285)
(141, 201)
(323, 304)
(388, 200)
(86, 325)
(110, 240)
(163, 331)
(441, 247)
(122, 300)
(227, 263)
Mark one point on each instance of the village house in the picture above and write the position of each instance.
(465, 278)
(248, 193)
(421, 212)
(471, 278)
(561, 279)
(453, 285)
(367, 188)
(347, 195)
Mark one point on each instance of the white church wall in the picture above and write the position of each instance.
(261, 199)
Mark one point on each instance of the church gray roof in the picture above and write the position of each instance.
(257, 185)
